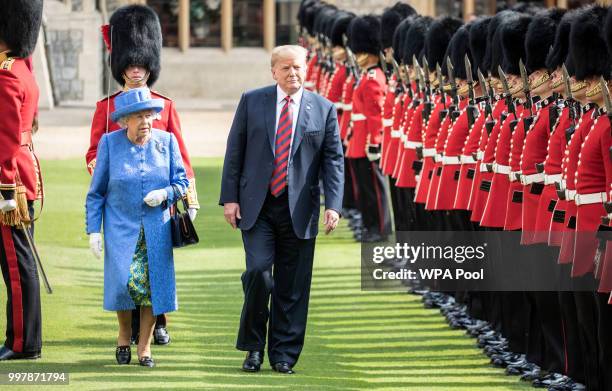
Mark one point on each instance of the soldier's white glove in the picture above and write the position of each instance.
(7, 205)
(156, 197)
(192, 213)
(95, 244)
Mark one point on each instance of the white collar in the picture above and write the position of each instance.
(280, 95)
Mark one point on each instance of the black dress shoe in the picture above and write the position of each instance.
(146, 361)
(283, 367)
(161, 336)
(8, 354)
(252, 362)
(123, 354)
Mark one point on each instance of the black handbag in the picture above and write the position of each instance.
(183, 231)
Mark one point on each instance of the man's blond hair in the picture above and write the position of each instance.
(285, 51)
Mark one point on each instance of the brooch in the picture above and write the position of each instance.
(160, 147)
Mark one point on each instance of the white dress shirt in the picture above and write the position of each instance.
(296, 100)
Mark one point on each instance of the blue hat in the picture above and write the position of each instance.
(133, 101)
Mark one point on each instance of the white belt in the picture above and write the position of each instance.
(533, 178)
(404, 137)
(570, 194)
(358, 117)
(593, 198)
(438, 157)
(387, 121)
(479, 155)
(446, 160)
(563, 184)
(339, 105)
(396, 133)
(483, 167)
(429, 152)
(501, 169)
(512, 175)
(467, 159)
(550, 179)
(348, 106)
(412, 144)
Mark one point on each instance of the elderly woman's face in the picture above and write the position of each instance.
(139, 124)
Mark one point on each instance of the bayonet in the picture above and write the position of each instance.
(451, 79)
(571, 104)
(415, 65)
(441, 84)
(525, 79)
(470, 80)
(383, 64)
(605, 92)
(508, 95)
(485, 93)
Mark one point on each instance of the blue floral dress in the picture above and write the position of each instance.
(139, 286)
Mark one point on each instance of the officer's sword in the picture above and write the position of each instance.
(37, 258)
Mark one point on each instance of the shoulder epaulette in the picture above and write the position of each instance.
(110, 96)
(160, 95)
(7, 64)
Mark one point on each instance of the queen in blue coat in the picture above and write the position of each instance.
(139, 172)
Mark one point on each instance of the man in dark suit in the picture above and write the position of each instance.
(283, 141)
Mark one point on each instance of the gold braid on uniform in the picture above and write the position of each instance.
(20, 214)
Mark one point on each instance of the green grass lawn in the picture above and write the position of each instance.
(355, 340)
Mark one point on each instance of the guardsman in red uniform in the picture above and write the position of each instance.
(20, 183)
(366, 133)
(135, 62)
(308, 19)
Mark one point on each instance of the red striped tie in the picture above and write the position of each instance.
(282, 149)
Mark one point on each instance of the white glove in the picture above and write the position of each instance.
(95, 244)
(156, 197)
(192, 213)
(7, 205)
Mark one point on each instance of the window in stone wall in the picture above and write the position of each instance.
(248, 23)
(286, 22)
(205, 23)
(168, 11)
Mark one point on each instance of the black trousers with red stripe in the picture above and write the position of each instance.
(373, 203)
(23, 316)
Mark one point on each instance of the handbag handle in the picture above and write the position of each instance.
(182, 197)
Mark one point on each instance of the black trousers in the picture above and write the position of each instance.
(278, 264)
(372, 196)
(23, 316)
(349, 199)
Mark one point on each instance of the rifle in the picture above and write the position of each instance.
(408, 81)
(415, 65)
(526, 90)
(383, 64)
(330, 55)
(350, 59)
(444, 112)
(398, 77)
(487, 96)
(606, 95)
(507, 94)
(472, 110)
(451, 78)
(571, 103)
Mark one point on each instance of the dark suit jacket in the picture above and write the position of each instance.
(316, 154)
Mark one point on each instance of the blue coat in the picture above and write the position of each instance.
(124, 174)
(316, 154)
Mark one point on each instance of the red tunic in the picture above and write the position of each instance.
(18, 107)
(335, 89)
(468, 164)
(593, 173)
(391, 149)
(552, 168)
(347, 106)
(388, 110)
(569, 166)
(312, 73)
(406, 175)
(451, 164)
(498, 152)
(514, 206)
(430, 135)
(368, 99)
(413, 110)
(482, 180)
(536, 142)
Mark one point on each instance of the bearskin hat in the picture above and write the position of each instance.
(136, 39)
(513, 42)
(587, 45)
(301, 15)
(340, 26)
(310, 14)
(560, 47)
(365, 31)
(478, 42)
(458, 47)
(494, 54)
(328, 22)
(390, 19)
(438, 37)
(608, 31)
(20, 24)
(400, 35)
(321, 17)
(540, 36)
(414, 42)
